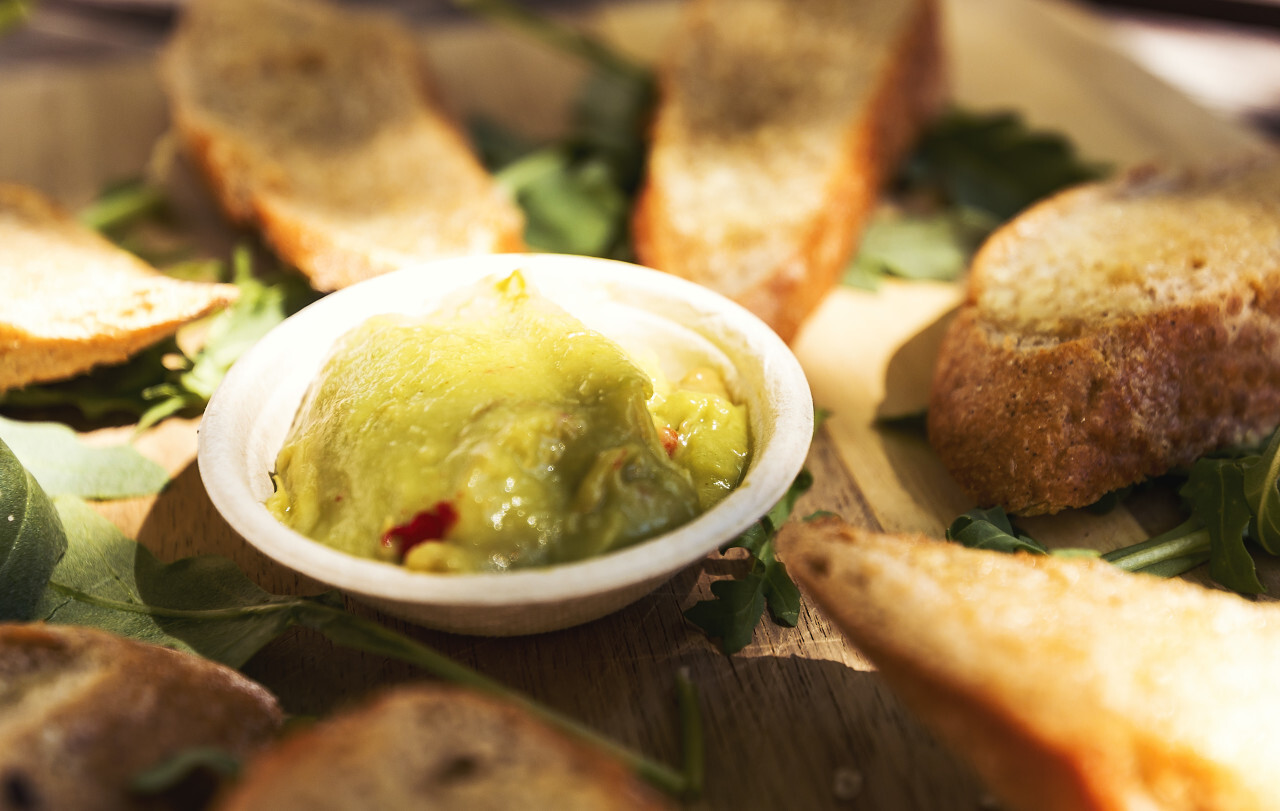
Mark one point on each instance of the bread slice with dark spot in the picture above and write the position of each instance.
(430, 746)
(83, 712)
(1111, 333)
(319, 126)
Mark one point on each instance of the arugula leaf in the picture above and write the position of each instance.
(172, 772)
(991, 529)
(260, 307)
(994, 163)
(931, 246)
(737, 605)
(1216, 492)
(1232, 496)
(62, 463)
(1262, 494)
(32, 538)
(103, 391)
(968, 173)
(576, 193)
(121, 205)
(733, 613)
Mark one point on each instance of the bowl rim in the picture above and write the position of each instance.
(224, 438)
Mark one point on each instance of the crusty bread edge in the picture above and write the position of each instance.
(1039, 429)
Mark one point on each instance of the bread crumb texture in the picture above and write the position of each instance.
(1069, 684)
(1111, 333)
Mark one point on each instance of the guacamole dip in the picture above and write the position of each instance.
(506, 435)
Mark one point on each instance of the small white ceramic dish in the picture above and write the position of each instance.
(684, 324)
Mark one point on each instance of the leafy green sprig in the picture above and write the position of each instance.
(968, 174)
(738, 603)
(1233, 504)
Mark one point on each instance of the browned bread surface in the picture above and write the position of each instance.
(778, 121)
(436, 747)
(1112, 333)
(72, 300)
(1069, 684)
(319, 126)
(83, 712)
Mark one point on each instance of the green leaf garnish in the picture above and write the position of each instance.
(994, 163)
(32, 539)
(121, 205)
(991, 529)
(173, 771)
(968, 174)
(1216, 493)
(1232, 497)
(62, 463)
(737, 605)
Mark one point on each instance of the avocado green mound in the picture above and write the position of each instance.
(508, 436)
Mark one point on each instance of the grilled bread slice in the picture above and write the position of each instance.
(777, 123)
(320, 127)
(83, 712)
(430, 746)
(72, 300)
(1111, 333)
(1069, 684)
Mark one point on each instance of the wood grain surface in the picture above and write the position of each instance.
(798, 720)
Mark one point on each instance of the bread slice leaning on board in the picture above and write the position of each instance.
(431, 746)
(72, 300)
(777, 123)
(320, 127)
(1070, 685)
(83, 713)
(1111, 333)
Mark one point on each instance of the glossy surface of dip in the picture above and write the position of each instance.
(507, 435)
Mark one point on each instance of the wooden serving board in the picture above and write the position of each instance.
(799, 719)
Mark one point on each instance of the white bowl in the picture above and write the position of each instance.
(251, 412)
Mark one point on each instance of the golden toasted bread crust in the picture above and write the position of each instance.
(321, 127)
(438, 747)
(72, 300)
(1036, 419)
(1070, 685)
(779, 267)
(85, 712)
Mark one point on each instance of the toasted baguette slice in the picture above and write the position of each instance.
(1111, 333)
(777, 123)
(436, 747)
(83, 712)
(73, 300)
(320, 127)
(1069, 684)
